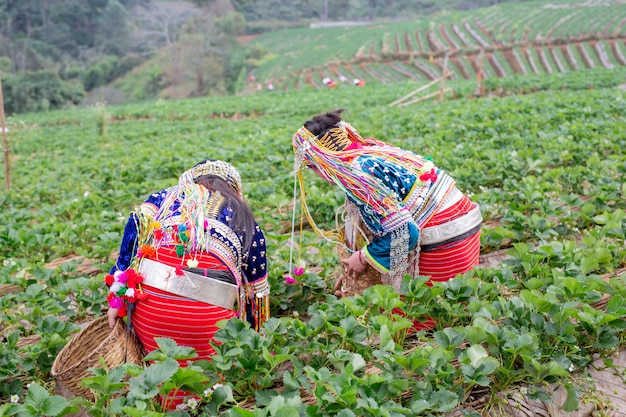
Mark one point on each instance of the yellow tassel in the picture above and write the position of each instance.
(332, 236)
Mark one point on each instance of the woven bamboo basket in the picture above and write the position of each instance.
(352, 286)
(349, 285)
(82, 352)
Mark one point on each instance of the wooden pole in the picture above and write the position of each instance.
(5, 142)
(427, 96)
(443, 78)
(479, 75)
(422, 88)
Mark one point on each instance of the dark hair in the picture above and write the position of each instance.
(321, 123)
(242, 222)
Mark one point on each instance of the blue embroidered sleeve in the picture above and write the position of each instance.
(257, 261)
(128, 247)
(395, 177)
(379, 248)
(398, 179)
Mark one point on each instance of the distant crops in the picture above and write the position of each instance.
(532, 38)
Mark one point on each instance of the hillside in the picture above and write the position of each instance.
(495, 42)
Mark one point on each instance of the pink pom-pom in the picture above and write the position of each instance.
(116, 302)
(298, 271)
(123, 277)
(289, 280)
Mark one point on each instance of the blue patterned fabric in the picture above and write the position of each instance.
(253, 270)
(401, 181)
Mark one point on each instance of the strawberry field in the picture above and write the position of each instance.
(547, 168)
(525, 38)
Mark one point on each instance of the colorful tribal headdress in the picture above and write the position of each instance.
(332, 161)
(333, 164)
(220, 169)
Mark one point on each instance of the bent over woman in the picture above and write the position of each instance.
(191, 255)
(420, 222)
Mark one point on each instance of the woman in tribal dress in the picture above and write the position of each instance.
(420, 222)
(191, 255)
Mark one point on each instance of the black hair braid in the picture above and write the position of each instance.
(321, 123)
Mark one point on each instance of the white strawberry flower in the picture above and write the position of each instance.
(192, 403)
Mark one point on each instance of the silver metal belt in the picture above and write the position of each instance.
(448, 230)
(190, 285)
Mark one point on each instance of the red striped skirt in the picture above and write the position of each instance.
(188, 322)
(448, 260)
(454, 258)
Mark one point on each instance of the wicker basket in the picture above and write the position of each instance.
(352, 286)
(96, 340)
(370, 277)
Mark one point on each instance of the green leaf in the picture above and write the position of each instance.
(241, 412)
(571, 402)
(614, 305)
(602, 255)
(236, 351)
(448, 337)
(280, 407)
(53, 405)
(357, 362)
(419, 406)
(607, 341)
(290, 382)
(173, 350)
(476, 353)
(222, 395)
(386, 342)
(488, 365)
(443, 400)
(136, 412)
(187, 376)
(554, 369)
(40, 401)
(588, 264)
(146, 385)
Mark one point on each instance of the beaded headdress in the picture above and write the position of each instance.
(334, 166)
(335, 139)
(220, 169)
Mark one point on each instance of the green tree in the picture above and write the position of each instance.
(113, 34)
(37, 91)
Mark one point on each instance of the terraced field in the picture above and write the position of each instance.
(531, 38)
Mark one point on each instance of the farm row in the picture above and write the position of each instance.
(481, 44)
(497, 63)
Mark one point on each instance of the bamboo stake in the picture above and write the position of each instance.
(479, 75)
(443, 79)
(422, 88)
(415, 100)
(5, 142)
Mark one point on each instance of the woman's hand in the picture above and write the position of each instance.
(112, 315)
(356, 264)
